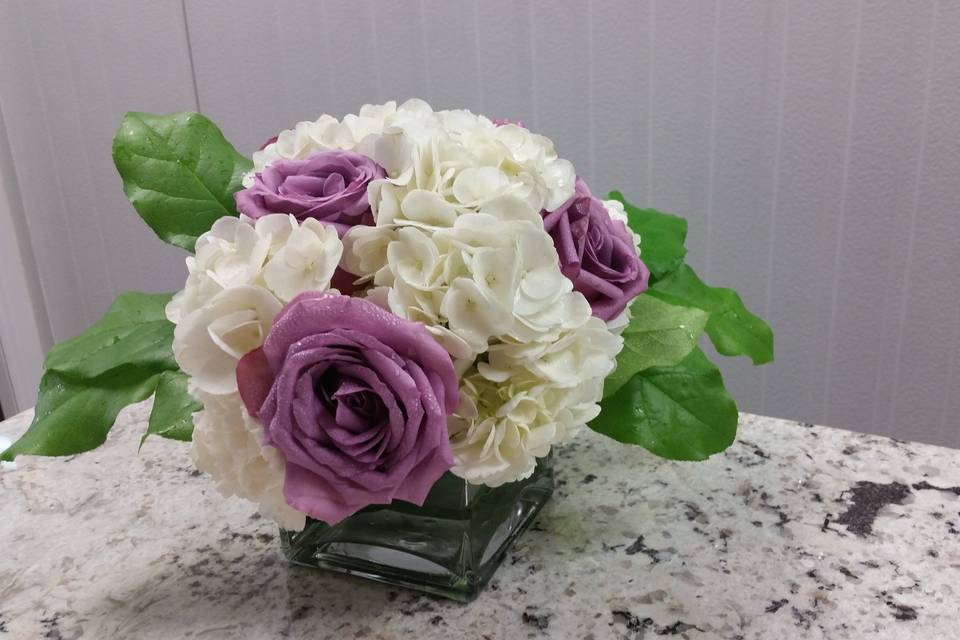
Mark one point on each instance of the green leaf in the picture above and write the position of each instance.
(681, 412)
(173, 409)
(134, 331)
(659, 334)
(179, 172)
(661, 237)
(733, 330)
(72, 415)
(118, 361)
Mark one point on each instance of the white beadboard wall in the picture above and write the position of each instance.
(814, 146)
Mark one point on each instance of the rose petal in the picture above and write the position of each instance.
(596, 252)
(358, 406)
(254, 379)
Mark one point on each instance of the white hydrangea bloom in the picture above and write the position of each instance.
(617, 212)
(231, 254)
(226, 444)
(580, 354)
(463, 157)
(618, 324)
(241, 276)
(275, 252)
(208, 342)
(458, 245)
(469, 169)
(305, 262)
(528, 160)
(527, 398)
(501, 428)
(486, 277)
(374, 132)
(365, 250)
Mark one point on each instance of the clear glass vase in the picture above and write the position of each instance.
(450, 546)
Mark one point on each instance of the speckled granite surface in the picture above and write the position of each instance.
(795, 532)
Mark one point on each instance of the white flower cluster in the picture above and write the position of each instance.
(239, 278)
(226, 444)
(527, 397)
(490, 289)
(459, 245)
(462, 157)
(617, 212)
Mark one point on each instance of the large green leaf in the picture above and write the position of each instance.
(173, 408)
(119, 360)
(134, 331)
(659, 334)
(179, 172)
(733, 330)
(681, 412)
(661, 237)
(72, 415)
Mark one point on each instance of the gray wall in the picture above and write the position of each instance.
(814, 146)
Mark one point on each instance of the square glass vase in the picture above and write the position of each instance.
(450, 546)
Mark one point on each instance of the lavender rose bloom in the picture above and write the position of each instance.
(596, 252)
(330, 186)
(356, 399)
(502, 122)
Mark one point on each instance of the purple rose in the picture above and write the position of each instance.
(355, 399)
(330, 186)
(596, 252)
(502, 122)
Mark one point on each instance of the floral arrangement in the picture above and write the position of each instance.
(378, 300)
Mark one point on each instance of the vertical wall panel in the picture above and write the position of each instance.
(813, 146)
(883, 148)
(923, 384)
(561, 46)
(948, 431)
(245, 80)
(107, 79)
(26, 113)
(818, 65)
(85, 225)
(342, 25)
(24, 328)
(358, 53)
(505, 70)
(399, 52)
(683, 42)
(619, 84)
(743, 157)
(449, 36)
(70, 71)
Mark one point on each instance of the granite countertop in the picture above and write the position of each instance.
(797, 531)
